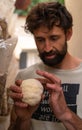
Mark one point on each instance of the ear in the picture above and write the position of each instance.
(69, 34)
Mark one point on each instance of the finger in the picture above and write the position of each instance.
(15, 88)
(21, 104)
(18, 82)
(54, 87)
(49, 76)
(43, 81)
(16, 96)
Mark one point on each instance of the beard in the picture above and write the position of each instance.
(58, 56)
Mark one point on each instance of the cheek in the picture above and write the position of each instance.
(60, 44)
(40, 47)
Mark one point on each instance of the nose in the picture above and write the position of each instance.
(48, 46)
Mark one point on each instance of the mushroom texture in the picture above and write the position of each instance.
(32, 91)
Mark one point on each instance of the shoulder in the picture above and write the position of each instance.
(29, 72)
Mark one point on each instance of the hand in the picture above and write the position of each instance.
(22, 109)
(56, 98)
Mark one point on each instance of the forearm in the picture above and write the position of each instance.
(21, 125)
(72, 121)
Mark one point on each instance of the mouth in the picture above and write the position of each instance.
(50, 56)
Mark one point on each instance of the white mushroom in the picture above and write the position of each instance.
(32, 91)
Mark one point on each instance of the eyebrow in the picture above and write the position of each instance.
(37, 37)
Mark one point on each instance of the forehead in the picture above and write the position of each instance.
(45, 31)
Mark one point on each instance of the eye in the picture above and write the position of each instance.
(40, 40)
(54, 38)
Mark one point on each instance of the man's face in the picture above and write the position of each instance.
(51, 45)
(57, 56)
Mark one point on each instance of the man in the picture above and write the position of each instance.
(61, 109)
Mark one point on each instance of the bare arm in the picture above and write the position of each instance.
(17, 123)
(20, 124)
(73, 122)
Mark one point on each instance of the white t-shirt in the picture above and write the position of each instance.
(43, 118)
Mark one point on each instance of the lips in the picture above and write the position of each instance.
(50, 56)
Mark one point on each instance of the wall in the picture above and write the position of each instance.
(75, 44)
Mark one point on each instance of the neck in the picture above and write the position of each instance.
(69, 62)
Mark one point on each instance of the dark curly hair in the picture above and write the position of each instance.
(48, 14)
